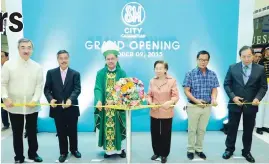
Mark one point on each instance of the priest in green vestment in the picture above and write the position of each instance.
(110, 124)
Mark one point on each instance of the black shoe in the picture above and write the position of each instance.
(154, 157)
(201, 155)
(259, 131)
(62, 158)
(164, 159)
(19, 161)
(107, 156)
(248, 157)
(227, 155)
(36, 158)
(190, 155)
(5, 128)
(265, 129)
(76, 154)
(123, 154)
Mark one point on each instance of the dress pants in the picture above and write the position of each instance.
(4, 116)
(17, 123)
(66, 125)
(161, 136)
(248, 126)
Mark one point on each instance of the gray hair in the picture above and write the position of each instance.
(62, 52)
(24, 40)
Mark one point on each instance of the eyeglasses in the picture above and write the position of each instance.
(202, 60)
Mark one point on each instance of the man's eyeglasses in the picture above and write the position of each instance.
(202, 60)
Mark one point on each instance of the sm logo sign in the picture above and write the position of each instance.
(133, 14)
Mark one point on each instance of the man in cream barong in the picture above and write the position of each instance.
(22, 83)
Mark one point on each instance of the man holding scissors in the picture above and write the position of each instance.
(200, 86)
(244, 82)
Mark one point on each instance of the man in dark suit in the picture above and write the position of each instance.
(245, 82)
(63, 87)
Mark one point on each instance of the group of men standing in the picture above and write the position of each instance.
(245, 84)
(22, 82)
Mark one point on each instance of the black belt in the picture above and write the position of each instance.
(195, 103)
(192, 102)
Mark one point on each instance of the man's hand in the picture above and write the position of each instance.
(237, 99)
(98, 105)
(68, 103)
(32, 104)
(52, 103)
(109, 102)
(255, 102)
(201, 103)
(214, 102)
(8, 103)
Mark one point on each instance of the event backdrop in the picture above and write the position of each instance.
(146, 31)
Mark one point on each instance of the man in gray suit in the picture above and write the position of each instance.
(245, 82)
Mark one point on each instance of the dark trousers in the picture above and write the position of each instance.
(248, 126)
(17, 123)
(66, 125)
(161, 136)
(4, 115)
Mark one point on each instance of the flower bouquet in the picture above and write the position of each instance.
(128, 93)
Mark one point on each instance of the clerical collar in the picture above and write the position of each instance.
(111, 70)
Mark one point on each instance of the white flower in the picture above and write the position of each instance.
(122, 81)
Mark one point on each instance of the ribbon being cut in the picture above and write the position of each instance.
(128, 94)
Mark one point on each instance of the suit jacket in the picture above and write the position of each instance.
(55, 89)
(255, 87)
